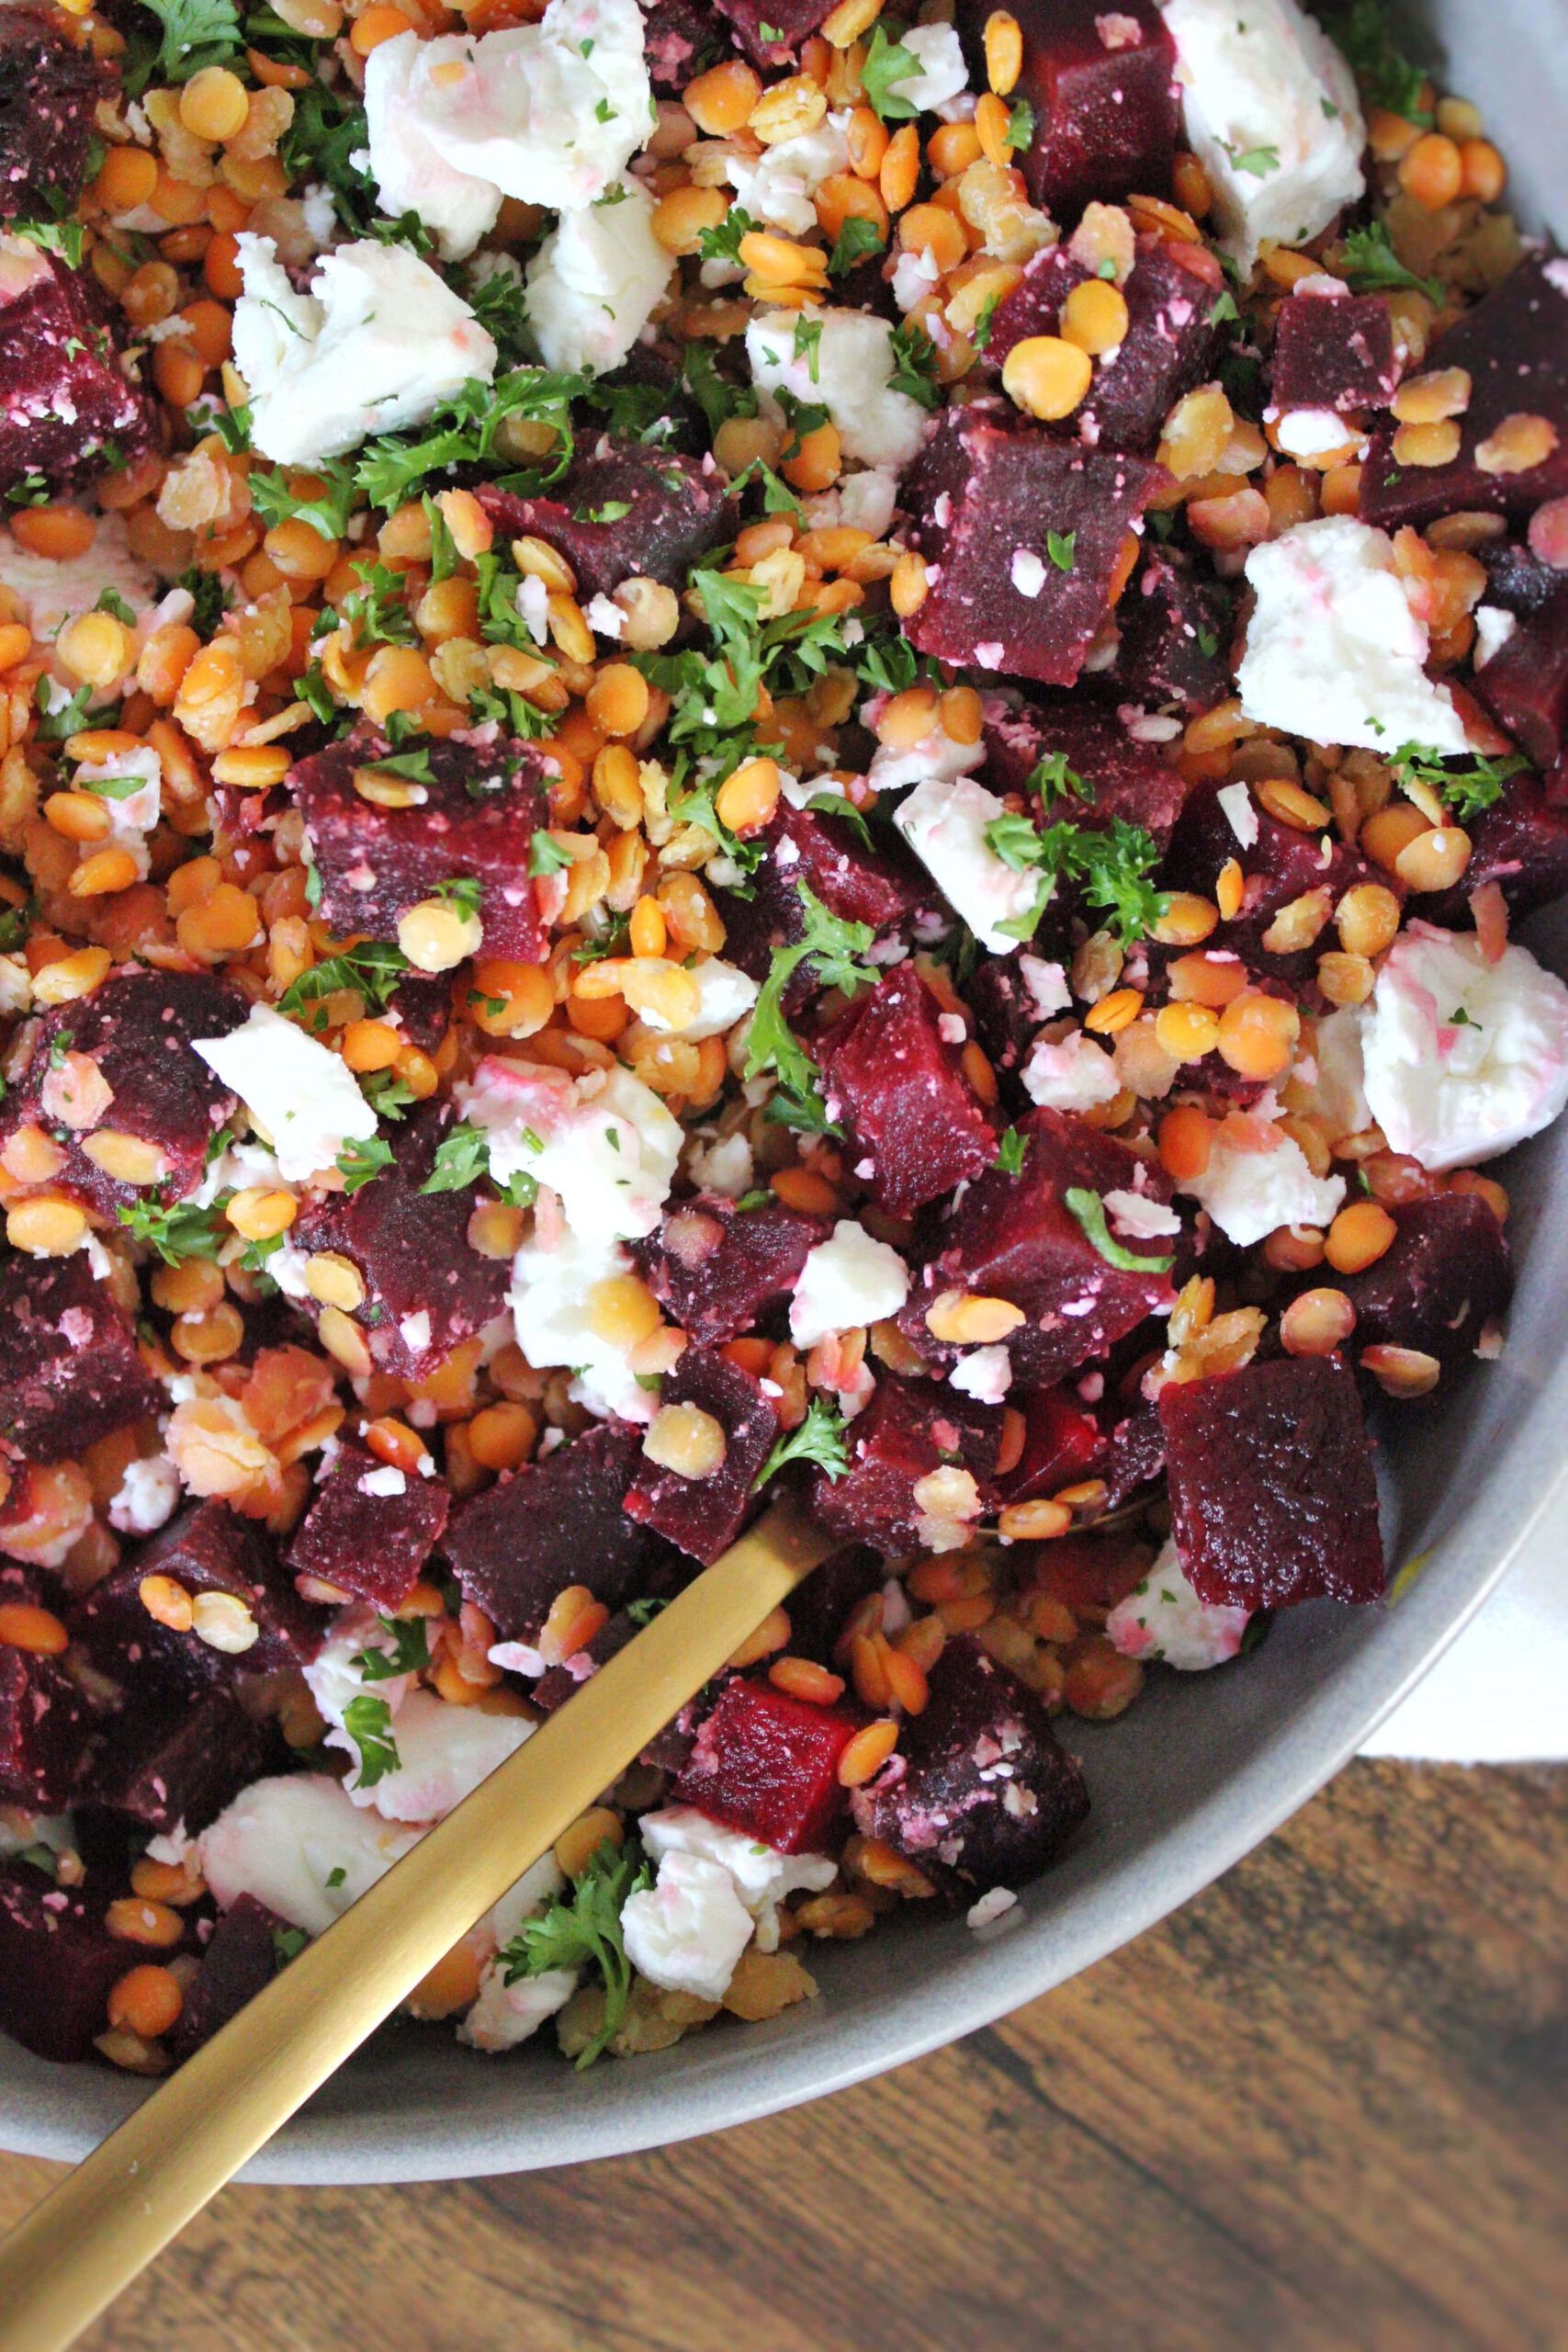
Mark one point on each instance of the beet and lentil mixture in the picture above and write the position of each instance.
(760, 745)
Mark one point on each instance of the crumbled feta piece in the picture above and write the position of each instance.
(504, 2015)
(444, 1752)
(604, 1141)
(847, 1281)
(1463, 1058)
(1271, 112)
(994, 1904)
(550, 113)
(1241, 812)
(1026, 572)
(914, 275)
(595, 280)
(1073, 1074)
(1251, 1192)
(944, 823)
(847, 371)
(936, 757)
(763, 1877)
(1139, 1217)
(726, 1166)
(986, 1373)
(942, 74)
(410, 173)
(1047, 985)
(379, 342)
(1494, 627)
(864, 502)
(145, 1496)
(1334, 652)
(1339, 1089)
(1163, 1618)
(299, 1093)
(384, 1481)
(776, 186)
(687, 1931)
(725, 994)
(298, 1845)
(549, 1300)
(1315, 433)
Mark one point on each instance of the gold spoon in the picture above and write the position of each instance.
(61, 2266)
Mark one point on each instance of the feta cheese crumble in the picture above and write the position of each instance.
(776, 186)
(1334, 652)
(1073, 1074)
(848, 372)
(1250, 1193)
(945, 822)
(687, 1931)
(594, 281)
(548, 1298)
(411, 175)
(300, 1846)
(847, 1281)
(604, 1142)
(763, 1877)
(379, 342)
(1163, 1618)
(298, 1093)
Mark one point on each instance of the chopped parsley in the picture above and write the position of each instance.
(585, 1932)
(831, 946)
(327, 512)
(195, 34)
(1386, 75)
(886, 63)
(1256, 162)
(373, 970)
(1467, 789)
(288, 1943)
(1061, 547)
(394, 466)
(545, 855)
(820, 1437)
(462, 1158)
(1371, 265)
(368, 1723)
(1089, 1210)
(1011, 1152)
(915, 365)
(175, 1232)
(1020, 126)
(723, 244)
(856, 241)
(61, 237)
(362, 1157)
(1112, 865)
(408, 1653)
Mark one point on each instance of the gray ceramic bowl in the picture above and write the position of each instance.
(1204, 1767)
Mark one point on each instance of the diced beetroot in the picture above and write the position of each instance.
(884, 888)
(207, 1548)
(1090, 1573)
(421, 1005)
(703, 1516)
(1447, 1273)
(719, 1269)
(1015, 1237)
(1103, 85)
(70, 1373)
(1513, 346)
(1005, 492)
(909, 1428)
(68, 411)
(483, 802)
(626, 510)
(553, 1524)
(771, 32)
(1062, 1443)
(896, 1084)
(48, 91)
(1281, 864)
(1173, 645)
(1525, 684)
(1127, 777)
(365, 1539)
(1169, 347)
(1333, 351)
(1273, 1496)
(138, 1028)
(1517, 578)
(162, 1765)
(1005, 1013)
(979, 1795)
(679, 39)
(57, 1962)
(820, 1609)
(425, 1288)
(1521, 843)
(767, 1764)
(240, 1962)
(44, 1727)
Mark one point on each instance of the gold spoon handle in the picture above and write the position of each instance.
(107, 2219)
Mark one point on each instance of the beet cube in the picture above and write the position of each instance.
(910, 1429)
(1333, 351)
(1125, 777)
(137, 1028)
(1062, 1443)
(240, 1962)
(1525, 684)
(767, 1764)
(679, 39)
(70, 1373)
(1102, 86)
(48, 92)
(365, 1539)
(884, 888)
(1273, 1496)
(552, 1523)
(703, 1516)
(980, 1795)
(425, 1289)
(721, 1271)
(57, 1962)
(1009, 492)
(626, 510)
(1015, 1237)
(44, 1729)
(207, 1548)
(68, 411)
(162, 1765)
(1521, 843)
(896, 1084)
(482, 803)
(820, 1609)
(770, 31)
(1006, 1011)
(1447, 1273)
(1174, 632)
(1513, 346)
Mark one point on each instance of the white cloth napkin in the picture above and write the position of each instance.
(1500, 1694)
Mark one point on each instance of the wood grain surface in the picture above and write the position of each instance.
(1323, 2106)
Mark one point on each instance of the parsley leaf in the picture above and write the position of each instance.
(855, 241)
(61, 237)
(1090, 1211)
(585, 1932)
(1371, 265)
(328, 514)
(1113, 865)
(1466, 790)
(1386, 76)
(723, 244)
(915, 365)
(830, 945)
(819, 1438)
(373, 970)
(462, 1158)
(1020, 126)
(176, 1233)
(1256, 162)
(886, 64)
(1061, 547)
(1011, 1152)
(409, 1651)
(393, 466)
(368, 1723)
(362, 1157)
(196, 33)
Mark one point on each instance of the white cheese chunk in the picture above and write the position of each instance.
(1462, 1058)
(605, 1141)
(725, 995)
(944, 823)
(444, 1752)
(300, 1846)
(379, 342)
(776, 186)
(550, 1302)
(847, 1281)
(687, 1931)
(410, 173)
(984, 1374)
(941, 73)
(1272, 113)
(504, 2015)
(1334, 652)
(763, 1877)
(146, 1495)
(846, 369)
(1073, 1074)
(594, 281)
(935, 758)
(1250, 1194)
(299, 1093)
(1494, 625)
(1163, 1618)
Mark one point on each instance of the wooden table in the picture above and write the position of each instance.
(1322, 2107)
